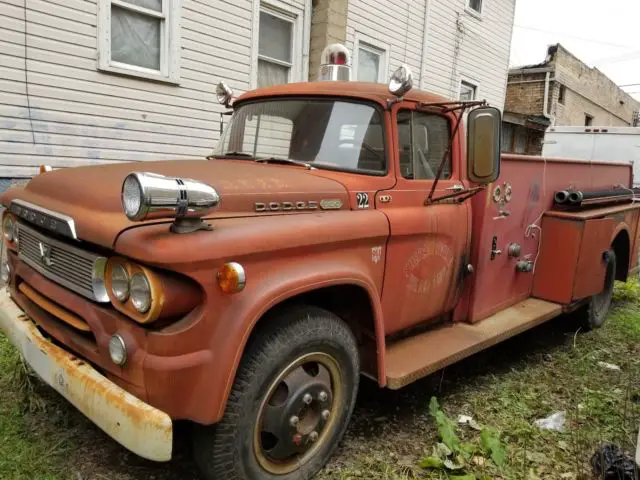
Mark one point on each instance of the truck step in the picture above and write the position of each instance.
(415, 357)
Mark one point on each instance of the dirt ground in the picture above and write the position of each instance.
(552, 368)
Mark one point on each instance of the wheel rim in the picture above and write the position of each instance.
(298, 413)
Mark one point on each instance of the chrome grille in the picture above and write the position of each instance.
(69, 266)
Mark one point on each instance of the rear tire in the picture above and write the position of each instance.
(303, 364)
(594, 313)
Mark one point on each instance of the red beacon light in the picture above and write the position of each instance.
(335, 64)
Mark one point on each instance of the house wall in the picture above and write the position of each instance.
(525, 94)
(462, 46)
(451, 45)
(56, 108)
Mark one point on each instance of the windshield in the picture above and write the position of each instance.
(324, 133)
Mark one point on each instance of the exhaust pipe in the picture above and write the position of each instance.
(561, 197)
(575, 197)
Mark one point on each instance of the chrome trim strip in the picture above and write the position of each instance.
(98, 292)
(58, 216)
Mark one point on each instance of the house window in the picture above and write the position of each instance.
(475, 5)
(275, 47)
(140, 37)
(468, 91)
(370, 62)
(588, 120)
(562, 91)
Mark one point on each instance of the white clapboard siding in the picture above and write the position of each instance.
(57, 108)
(482, 56)
(458, 45)
(396, 26)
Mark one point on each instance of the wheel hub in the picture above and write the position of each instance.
(297, 413)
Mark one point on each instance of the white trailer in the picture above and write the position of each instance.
(605, 144)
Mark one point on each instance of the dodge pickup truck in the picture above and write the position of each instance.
(339, 230)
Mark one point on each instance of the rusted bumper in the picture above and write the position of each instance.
(146, 431)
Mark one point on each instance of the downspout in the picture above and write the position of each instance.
(545, 106)
(425, 45)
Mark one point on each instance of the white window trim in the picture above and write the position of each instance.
(374, 46)
(471, 82)
(473, 12)
(169, 42)
(301, 20)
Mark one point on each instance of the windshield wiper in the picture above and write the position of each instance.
(286, 161)
(231, 154)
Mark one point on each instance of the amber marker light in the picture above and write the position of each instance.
(232, 278)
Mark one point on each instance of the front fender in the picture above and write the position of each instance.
(280, 286)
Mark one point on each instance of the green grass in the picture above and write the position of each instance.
(552, 368)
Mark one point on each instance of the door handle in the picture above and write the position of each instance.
(456, 188)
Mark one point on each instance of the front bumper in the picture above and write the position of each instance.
(139, 427)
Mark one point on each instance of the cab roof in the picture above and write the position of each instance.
(376, 92)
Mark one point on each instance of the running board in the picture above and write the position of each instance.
(415, 357)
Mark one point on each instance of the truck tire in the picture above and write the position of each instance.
(594, 313)
(290, 404)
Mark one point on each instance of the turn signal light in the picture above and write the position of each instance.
(232, 278)
(45, 168)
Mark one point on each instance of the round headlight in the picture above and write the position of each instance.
(140, 292)
(131, 197)
(8, 228)
(120, 283)
(117, 350)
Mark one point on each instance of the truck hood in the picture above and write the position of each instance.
(91, 195)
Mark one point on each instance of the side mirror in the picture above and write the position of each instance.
(483, 144)
(224, 94)
(401, 81)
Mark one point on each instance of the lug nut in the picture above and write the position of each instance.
(325, 414)
(307, 398)
(293, 421)
(313, 436)
(322, 396)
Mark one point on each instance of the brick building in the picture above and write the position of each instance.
(560, 91)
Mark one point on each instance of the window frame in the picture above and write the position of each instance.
(472, 11)
(381, 111)
(588, 120)
(469, 83)
(562, 94)
(379, 48)
(450, 125)
(301, 26)
(169, 41)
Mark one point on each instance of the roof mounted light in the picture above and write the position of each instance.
(224, 94)
(401, 81)
(147, 195)
(335, 63)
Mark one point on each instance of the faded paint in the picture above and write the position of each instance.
(144, 430)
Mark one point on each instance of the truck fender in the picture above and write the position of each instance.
(621, 243)
(266, 295)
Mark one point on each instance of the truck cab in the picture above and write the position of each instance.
(339, 229)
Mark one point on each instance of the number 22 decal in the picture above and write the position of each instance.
(363, 200)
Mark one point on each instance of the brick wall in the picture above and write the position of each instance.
(328, 25)
(525, 94)
(588, 91)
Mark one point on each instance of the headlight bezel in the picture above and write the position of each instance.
(8, 228)
(157, 296)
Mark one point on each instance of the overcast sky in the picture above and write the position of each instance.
(605, 35)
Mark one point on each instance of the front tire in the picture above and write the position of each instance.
(291, 401)
(595, 312)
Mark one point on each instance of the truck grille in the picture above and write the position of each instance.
(69, 266)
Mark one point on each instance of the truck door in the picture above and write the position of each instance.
(428, 245)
